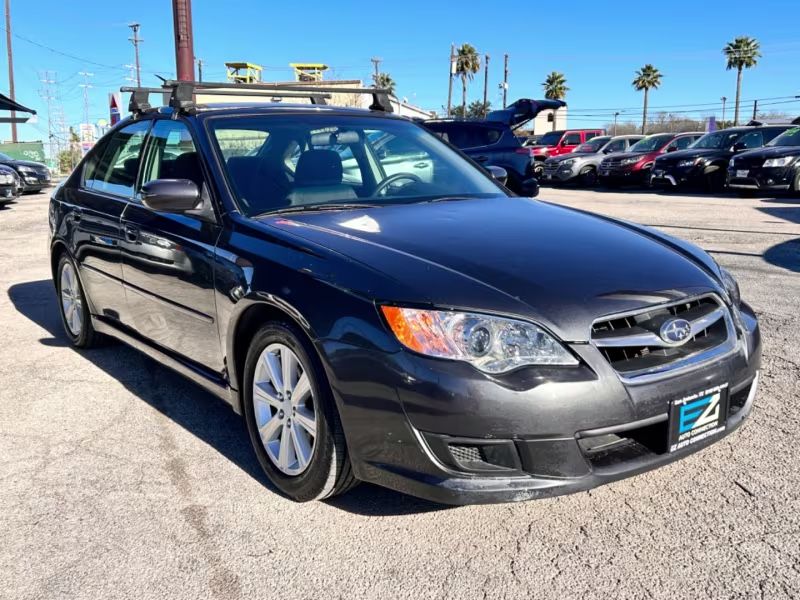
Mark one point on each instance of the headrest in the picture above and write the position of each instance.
(318, 167)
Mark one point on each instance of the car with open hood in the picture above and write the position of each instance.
(491, 141)
(704, 164)
(775, 167)
(436, 335)
(581, 165)
(633, 167)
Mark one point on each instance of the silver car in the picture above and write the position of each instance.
(581, 164)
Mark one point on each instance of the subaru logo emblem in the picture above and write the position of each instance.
(676, 331)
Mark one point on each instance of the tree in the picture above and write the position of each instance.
(385, 81)
(468, 62)
(555, 88)
(741, 53)
(67, 159)
(647, 78)
(477, 110)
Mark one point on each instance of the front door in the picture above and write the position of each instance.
(168, 259)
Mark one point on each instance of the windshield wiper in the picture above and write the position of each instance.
(320, 207)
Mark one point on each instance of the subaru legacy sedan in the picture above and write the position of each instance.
(434, 333)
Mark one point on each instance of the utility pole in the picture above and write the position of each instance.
(451, 69)
(505, 78)
(485, 83)
(136, 40)
(85, 85)
(724, 100)
(10, 70)
(376, 66)
(46, 92)
(616, 114)
(755, 109)
(184, 42)
(200, 69)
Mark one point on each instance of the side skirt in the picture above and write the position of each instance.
(209, 381)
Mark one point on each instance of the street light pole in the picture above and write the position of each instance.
(724, 100)
(136, 40)
(450, 71)
(616, 114)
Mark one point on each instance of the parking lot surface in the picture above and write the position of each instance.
(119, 479)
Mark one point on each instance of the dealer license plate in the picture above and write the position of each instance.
(697, 417)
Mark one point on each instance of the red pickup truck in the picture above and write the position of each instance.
(558, 142)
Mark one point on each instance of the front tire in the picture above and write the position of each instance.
(588, 177)
(73, 308)
(291, 416)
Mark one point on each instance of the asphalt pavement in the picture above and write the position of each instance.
(119, 479)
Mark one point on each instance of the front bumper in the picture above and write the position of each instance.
(8, 192)
(558, 175)
(623, 175)
(34, 182)
(530, 427)
(677, 176)
(761, 178)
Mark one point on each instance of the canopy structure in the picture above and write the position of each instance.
(7, 103)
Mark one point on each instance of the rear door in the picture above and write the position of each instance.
(95, 209)
(168, 259)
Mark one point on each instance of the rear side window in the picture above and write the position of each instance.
(750, 140)
(681, 143)
(572, 139)
(592, 134)
(615, 146)
(115, 171)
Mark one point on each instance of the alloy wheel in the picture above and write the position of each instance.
(284, 409)
(71, 300)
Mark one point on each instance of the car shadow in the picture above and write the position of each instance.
(785, 254)
(197, 411)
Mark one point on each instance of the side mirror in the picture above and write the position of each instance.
(738, 147)
(672, 149)
(529, 188)
(171, 195)
(499, 174)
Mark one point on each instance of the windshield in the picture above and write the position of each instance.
(593, 145)
(790, 137)
(651, 143)
(718, 140)
(550, 139)
(276, 163)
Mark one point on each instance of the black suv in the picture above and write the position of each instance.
(492, 141)
(429, 333)
(705, 163)
(33, 176)
(774, 167)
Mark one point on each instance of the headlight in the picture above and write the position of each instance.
(731, 287)
(690, 162)
(568, 163)
(491, 344)
(778, 162)
(6, 179)
(629, 161)
(24, 169)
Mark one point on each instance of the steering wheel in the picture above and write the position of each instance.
(383, 185)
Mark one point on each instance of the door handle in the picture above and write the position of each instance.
(420, 165)
(481, 158)
(131, 233)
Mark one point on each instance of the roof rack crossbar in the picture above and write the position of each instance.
(182, 93)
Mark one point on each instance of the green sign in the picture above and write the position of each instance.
(24, 151)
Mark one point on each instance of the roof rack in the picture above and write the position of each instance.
(182, 93)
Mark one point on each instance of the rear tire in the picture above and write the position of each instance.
(72, 305)
(291, 416)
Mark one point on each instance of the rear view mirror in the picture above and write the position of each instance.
(499, 174)
(171, 195)
(529, 188)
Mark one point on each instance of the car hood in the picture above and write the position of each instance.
(26, 163)
(516, 256)
(770, 152)
(571, 155)
(624, 155)
(678, 155)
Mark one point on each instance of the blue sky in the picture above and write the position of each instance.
(598, 45)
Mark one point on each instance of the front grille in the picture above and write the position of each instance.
(611, 163)
(632, 343)
(550, 168)
(466, 454)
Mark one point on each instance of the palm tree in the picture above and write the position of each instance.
(385, 81)
(647, 78)
(468, 62)
(555, 88)
(742, 53)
